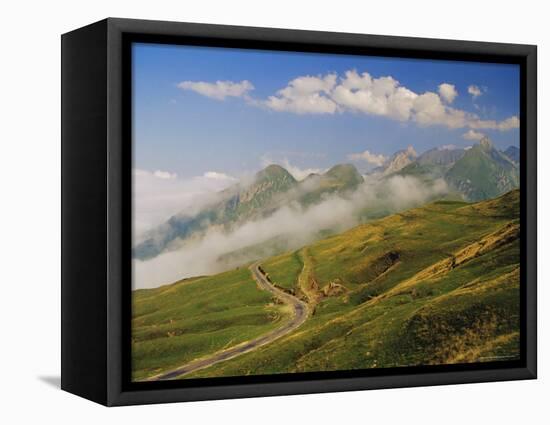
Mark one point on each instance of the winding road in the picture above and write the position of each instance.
(300, 314)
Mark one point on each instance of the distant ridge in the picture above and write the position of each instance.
(513, 153)
(483, 172)
(474, 174)
(478, 173)
(271, 188)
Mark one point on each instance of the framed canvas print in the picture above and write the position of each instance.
(253, 212)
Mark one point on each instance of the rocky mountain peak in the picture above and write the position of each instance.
(400, 160)
(345, 174)
(486, 143)
(274, 171)
(411, 152)
(269, 181)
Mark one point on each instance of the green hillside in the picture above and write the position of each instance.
(438, 284)
(435, 284)
(432, 164)
(483, 173)
(339, 179)
(176, 323)
(475, 174)
(284, 270)
(269, 183)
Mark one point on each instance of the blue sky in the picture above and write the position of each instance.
(181, 130)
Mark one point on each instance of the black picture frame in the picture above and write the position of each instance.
(96, 210)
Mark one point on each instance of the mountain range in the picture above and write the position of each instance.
(474, 174)
(477, 173)
(272, 188)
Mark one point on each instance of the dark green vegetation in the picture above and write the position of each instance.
(481, 172)
(284, 270)
(432, 164)
(339, 179)
(433, 285)
(174, 324)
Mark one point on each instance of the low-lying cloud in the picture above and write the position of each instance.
(158, 195)
(293, 223)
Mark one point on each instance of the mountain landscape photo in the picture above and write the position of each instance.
(348, 220)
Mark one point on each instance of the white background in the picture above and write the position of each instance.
(30, 211)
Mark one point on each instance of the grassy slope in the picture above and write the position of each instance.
(180, 322)
(434, 284)
(483, 174)
(284, 270)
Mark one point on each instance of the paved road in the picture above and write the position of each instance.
(299, 317)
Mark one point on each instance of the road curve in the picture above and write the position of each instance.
(299, 317)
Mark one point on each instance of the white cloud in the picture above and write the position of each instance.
(475, 91)
(158, 197)
(473, 135)
(508, 124)
(429, 109)
(218, 176)
(450, 147)
(376, 96)
(448, 92)
(218, 90)
(504, 125)
(164, 174)
(305, 95)
(371, 158)
(383, 96)
(361, 93)
(159, 174)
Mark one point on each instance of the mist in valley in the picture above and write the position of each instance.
(288, 227)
